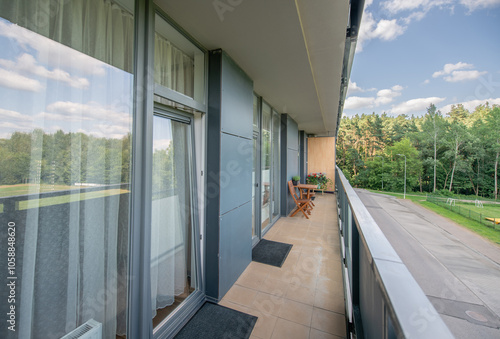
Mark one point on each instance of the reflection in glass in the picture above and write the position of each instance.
(179, 65)
(65, 131)
(173, 270)
(255, 113)
(254, 182)
(266, 164)
(276, 164)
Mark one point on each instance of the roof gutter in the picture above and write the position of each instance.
(355, 14)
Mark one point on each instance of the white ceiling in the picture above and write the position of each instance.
(292, 50)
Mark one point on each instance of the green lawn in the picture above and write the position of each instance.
(22, 189)
(14, 190)
(490, 210)
(489, 233)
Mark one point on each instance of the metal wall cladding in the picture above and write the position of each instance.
(292, 141)
(237, 100)
(292, 169)
(235, 245)
(235, 172)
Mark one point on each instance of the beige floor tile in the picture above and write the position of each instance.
(234, 306)
(274, 287)
(267, 303)
(329, 322)
(281, 274)
(333, 301)
(308, 263)
(285, 329)
(303, 278)
(296, 312)
(265, 324)
(316, 334)
(252, 280)
(301, 294)
(329, 285)
(240, 295)
(257, 267)
(314, 251)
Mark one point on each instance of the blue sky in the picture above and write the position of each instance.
(44, 84)
(412, 53)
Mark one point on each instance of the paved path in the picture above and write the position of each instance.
(457, 270)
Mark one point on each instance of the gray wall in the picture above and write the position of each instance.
(289, 160)
(229, 170)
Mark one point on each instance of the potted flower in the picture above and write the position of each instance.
(319, 179)
(295, 180)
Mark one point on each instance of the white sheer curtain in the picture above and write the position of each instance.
(99, 28)
(73, 249)
(173, 68)
(172, 264)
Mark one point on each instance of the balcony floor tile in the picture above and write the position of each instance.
(304, 298)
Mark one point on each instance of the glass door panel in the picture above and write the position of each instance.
(173, 259)
(276, 132)
(254, 187)
(266, 165)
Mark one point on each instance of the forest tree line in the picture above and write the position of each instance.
(457, 152)
(63, 158)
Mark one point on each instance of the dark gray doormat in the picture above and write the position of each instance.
(213, 321)
(271, 252)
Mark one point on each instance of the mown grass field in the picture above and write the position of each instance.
(489, 233)
(490, 210)
(15, 190)
(22, 189)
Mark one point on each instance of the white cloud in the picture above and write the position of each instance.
(386, 96)
(396, 6)
(449, 68)
(426, 81)
(51, 52)
(457, 76)
(353, 88)
(415, 105)
(75, 112)
(456, 73)
(359, 102)
(415, 16)
(26, 63)
(471, 105)
(12, 120)
(383, 29)
(15, 81)
(479, 4)
(161, 144)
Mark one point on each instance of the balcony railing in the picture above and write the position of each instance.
(383, 300)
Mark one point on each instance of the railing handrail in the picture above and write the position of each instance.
(410, 311)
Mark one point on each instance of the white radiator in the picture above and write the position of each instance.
(90, 330)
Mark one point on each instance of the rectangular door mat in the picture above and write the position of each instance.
(213, 321)
(271, 252)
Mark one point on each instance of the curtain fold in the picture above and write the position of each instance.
(171, 247)
(98, 28)
(173, 68)
(74, 248)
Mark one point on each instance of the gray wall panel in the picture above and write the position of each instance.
(235, 172)
(292, 166)
(292, 134)
(237, 100)
(236, 245)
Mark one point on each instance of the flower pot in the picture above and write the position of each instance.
(295, 182)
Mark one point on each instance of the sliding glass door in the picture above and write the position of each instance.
(174, 251)
(266, 166)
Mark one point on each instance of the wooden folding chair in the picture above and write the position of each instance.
(303, 205)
